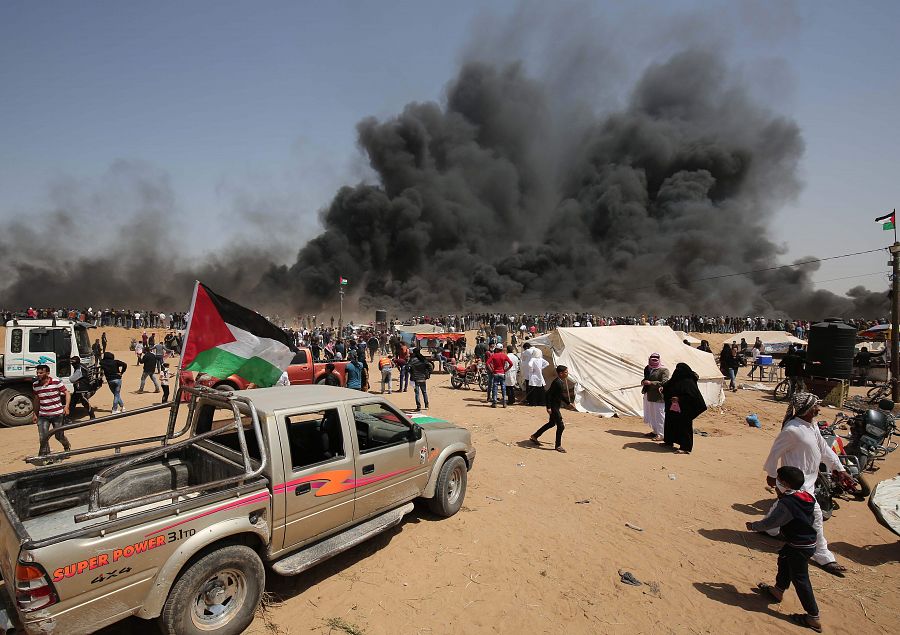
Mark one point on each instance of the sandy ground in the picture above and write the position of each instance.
(538, 543)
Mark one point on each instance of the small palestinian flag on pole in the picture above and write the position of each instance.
(888, 221)
(224, 338)
(343, 281)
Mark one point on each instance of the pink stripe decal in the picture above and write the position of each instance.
(323, 486)
(248, 501)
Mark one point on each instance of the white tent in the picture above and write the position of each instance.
(690, 339)
(774, 341)
(419, 328)
(606, 363)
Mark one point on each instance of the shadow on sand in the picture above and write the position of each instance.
(628, 433)
(759, 508)
(743, 538)
(728, 594)
(648, 446)
(870, 555)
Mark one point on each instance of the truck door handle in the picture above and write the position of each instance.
(368, 469)
(303, 488)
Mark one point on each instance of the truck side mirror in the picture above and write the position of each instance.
(415, 433)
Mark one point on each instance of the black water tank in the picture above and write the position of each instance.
(380, 316)
(831, 348)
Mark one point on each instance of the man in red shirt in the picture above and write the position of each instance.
(51, 405)
(497, 364)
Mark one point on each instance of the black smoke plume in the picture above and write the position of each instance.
(504, 196)
(499, 198)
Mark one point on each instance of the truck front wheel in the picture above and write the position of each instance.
(16, 407)
(450, 489)
(218, 594)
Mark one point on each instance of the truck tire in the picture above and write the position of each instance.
(450, 489)
(16, 407)
(218, 594)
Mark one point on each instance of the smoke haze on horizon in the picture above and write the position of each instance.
(512, 193)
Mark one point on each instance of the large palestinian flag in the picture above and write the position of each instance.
(224, 338)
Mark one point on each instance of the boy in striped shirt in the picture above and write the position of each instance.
(51, 405)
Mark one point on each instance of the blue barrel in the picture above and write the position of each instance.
(831, 349)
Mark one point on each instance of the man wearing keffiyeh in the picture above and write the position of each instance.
(801, 445)
(655, 375)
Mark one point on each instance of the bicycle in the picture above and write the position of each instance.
(879, 392)
(785, 389)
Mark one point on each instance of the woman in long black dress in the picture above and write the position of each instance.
(684, 403)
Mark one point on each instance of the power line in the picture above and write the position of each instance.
(747, 273)
(862, 275)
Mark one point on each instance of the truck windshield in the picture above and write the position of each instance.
(83, 341)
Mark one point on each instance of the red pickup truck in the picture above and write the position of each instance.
(301, 371)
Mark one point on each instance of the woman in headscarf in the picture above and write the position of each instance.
(536, 382)
(684, 403)
(655, 376)
(728, 364)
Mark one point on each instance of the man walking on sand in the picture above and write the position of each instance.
(150, 365)
(556, 394)
(51, 406)
(800, 444)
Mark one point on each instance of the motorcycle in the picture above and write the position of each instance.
(869, 439)
(831, 485)
(472, 372)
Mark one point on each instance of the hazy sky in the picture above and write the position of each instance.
(253, 105)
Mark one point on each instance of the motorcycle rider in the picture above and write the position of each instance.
(800, 444)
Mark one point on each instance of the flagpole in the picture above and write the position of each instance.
(341, 314)
(187, 328)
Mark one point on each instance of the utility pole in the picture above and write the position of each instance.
(895, 319)
(341, 314)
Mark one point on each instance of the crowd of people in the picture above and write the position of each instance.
(543, 322)
(122, 318)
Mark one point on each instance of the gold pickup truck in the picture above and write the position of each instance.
(274, 478)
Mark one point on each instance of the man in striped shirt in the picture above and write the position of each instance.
(51, 405)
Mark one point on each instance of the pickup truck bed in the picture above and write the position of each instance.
(45, 501)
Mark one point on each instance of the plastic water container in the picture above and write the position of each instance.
(764, 360)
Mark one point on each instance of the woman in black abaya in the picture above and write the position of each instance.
(684, 403)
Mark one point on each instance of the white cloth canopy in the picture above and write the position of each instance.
(690, 338)
(774, 341)
(766, 337)
(607, 365)
(420, 328)
(885, 502)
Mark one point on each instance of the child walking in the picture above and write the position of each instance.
(164, 381)
(793, 512)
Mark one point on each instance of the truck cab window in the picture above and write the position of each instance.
(300, 358)
(15, 341)
(210, 417)
(314, 437)
(378, 426)
(40, 341)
